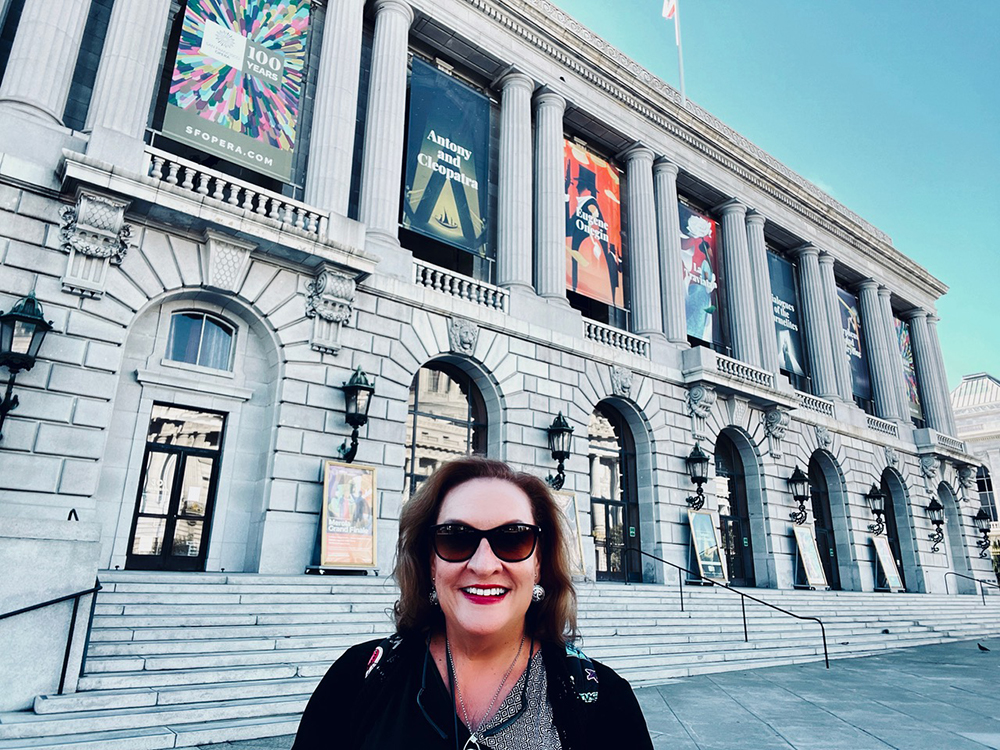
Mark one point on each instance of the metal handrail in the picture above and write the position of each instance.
(743, 598)
(982, 591)
(72, 624)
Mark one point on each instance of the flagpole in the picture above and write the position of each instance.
(680, 53)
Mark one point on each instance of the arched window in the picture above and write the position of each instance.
(984, 484)
(734, 513)
(446, 420)
(197, 338)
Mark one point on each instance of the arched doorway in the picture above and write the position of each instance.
(900, 524)
(955, 538)
(823, 522)
(734, 512)
(614, 502)
(891, 533)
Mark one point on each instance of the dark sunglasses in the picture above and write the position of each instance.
(512, 542)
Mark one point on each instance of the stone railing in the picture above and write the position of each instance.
(883, 426)
(211, 184)
(455, 284)
(733, 368)
(814, 403)
(947, 441)
(615, 338)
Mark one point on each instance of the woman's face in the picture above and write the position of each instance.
(484, 597)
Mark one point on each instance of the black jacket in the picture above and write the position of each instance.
(351, 713)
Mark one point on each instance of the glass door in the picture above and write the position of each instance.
(734, 514)
(825, 541)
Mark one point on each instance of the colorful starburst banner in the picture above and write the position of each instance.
(238, 81)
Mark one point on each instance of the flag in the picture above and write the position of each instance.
(669, 8)
(670, 13)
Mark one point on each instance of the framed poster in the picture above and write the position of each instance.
(883, 553)
(707, 545)
(812, 565)
(571, 531)
(347, 534)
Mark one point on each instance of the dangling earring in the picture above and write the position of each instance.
(537, 593)
(433, 596)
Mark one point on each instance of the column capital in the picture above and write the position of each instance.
(808, 249)
(546, 97)
(638, 152)
(914, 314)
(514, 79)
(754, 217)
(396, 6)
(866, 284)
(884, 291)
(665, 166)
(731, 206)
(825, 259)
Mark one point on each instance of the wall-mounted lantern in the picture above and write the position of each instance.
(798, 483)
(22, 331)
(935, 511)
(876, 501)
(560, 440)
(358, 399)
(982, 521)
(697, 466)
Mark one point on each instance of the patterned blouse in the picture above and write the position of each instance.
(535, 728)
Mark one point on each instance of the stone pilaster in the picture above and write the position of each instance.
(331, 145)
(927, 373)
(647, 318)
(932, 321)
(671, 265)
(550, 200)
(381, 168)
(817, 329)
(42, 58)
(896, 356)
(514, 199)
(739, 294)
(877, 349)
(841, 366)
(762, 288)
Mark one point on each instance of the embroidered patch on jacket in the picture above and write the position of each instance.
(373, 662)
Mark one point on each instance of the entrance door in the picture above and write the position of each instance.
(173, 512)
(825, 541)
(734, 514)
(892, 534)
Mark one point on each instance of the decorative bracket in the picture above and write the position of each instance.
(621, 381)
(463, 335)
(330, 304)
(224, 261)
(823, 437)
(891, 457)
(700, 400)
(776, 422)
(95, 235)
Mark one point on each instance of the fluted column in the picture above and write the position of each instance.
(932, 321)
(927, 373)
(331, 144)
(647, 319)
(741, 304)
(671, 264)
(841, 366)
(550, 197)
(896, 356)
(877, 349)
(817, 329)
(514, 197)
(381, 169)
(762, 289)
(42, 59)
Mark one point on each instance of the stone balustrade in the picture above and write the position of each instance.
(814, 403)
(881, 425)
(615, 338)
(456, 285)
(733, 368)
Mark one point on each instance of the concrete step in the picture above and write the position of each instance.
(116, 680)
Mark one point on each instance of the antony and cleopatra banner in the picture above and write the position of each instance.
(594, 256)
(854, 344)
(237, 82)
(699, 237)
(909, 370)
(447, 160)
(785, 306)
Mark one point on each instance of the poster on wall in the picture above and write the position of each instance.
(238, 79)
(785, 306)
(347, 535)
(571, 531)
(594, 256)
(890, 573)
(706, 544)
(808, 553)
(699, 237)
(909, 370)
(447, 160)
(854, 345)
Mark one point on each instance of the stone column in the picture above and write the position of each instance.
(877, 349)
(932, 321)
(841, 367)
(817, 329)
(382, 166)
(647, 317)
(762, 288)
(671, 265)
(740, 298)
(927, 374)
(896, 356)
(42, 59)
(335, 113)
(550, 197)
(514, 197)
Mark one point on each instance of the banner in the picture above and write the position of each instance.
(909, 370)
(594, 257)
(347, 532)
(698, 253)
(237, 81)
(447, 160)
(785, 306)
(854, 344)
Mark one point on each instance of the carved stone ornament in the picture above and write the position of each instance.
(891, 457)
(700, 401)
(224, 261)
(928, 467)
(330, 304)
(823, 437)
(776, 422)
(95, 234)
(463, 335)
(966, 479)
(621, 381)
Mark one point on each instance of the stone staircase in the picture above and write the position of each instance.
(178, 660)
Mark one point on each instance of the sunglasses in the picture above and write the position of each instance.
(512, 542)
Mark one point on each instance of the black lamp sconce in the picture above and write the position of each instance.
(798, 483)
(935, 511)
(22, 331)
(697, 466)
(876, 501)
(560, 440)
(982, 521)
(358, 399)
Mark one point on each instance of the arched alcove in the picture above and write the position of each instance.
(833, 533)
(739, 493)
(955, 540)
(897, 514)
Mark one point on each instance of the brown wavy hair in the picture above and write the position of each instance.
(552, 619)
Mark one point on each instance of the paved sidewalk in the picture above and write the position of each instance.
(944, 697)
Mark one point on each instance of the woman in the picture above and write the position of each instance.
(480, 658)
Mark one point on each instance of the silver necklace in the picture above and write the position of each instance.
(473, 742)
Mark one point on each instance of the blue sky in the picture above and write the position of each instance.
(891, 106)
